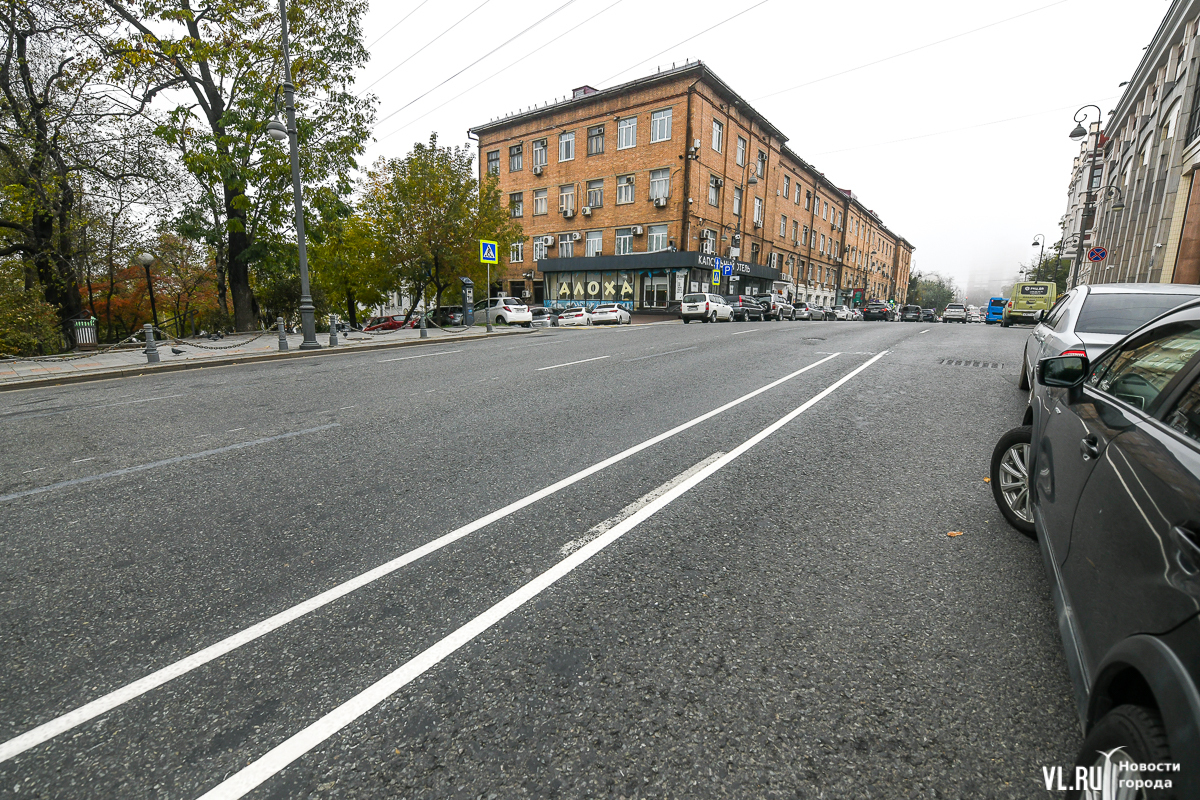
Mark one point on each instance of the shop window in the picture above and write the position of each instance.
(608, 286)
(591, 286)
(625, 286)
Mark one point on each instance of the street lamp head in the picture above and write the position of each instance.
(145, 259)
(276, 130)
(1118, 206)
(1079, 133)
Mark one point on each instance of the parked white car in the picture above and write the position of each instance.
(508, 310)
(611, 313)
(955, 312)
(842, 314)
(574, 316)
(705, 307)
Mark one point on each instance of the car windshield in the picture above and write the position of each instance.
(695, 298)
(1121, 313)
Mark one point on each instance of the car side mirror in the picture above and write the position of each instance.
(1040, 315)
(1063, 372)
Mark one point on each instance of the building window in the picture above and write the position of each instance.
(539, 152)
(714, 191)
(660, 183)
(718, 132)
(539, 249)
(761, 167)
(822, 249)
(737, 200)
(624, 189)
(566, 146)
(594, 242)
(596, 140)
(566, 198)
(516, 253)
(787, 186)
(624, 241)
(807, 200)
(754, 252)
(804, 241)
(539, 202)
(660, 125)
(493, 162)
(741, 152)
(514, 158)
(796, 230)
(782, 225)
(824, 209)
(657, 239)
(566, 247)
(758, 211)
(839, 222)
(516, 204)
(626, 133)
(595, 194)
(797, 192)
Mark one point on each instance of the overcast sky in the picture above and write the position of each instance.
(961, 147)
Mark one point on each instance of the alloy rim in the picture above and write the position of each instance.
(1014, 480)
(1117, 780)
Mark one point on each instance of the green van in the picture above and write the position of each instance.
(1027, 300)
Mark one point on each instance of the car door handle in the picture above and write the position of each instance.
(1089, 447)
(1187, 543)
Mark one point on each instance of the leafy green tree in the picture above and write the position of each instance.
(345, 264)
(29, 326)
(221, 66)
(429, 211)
(931, 291)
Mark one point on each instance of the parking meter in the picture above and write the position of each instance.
(468, 297)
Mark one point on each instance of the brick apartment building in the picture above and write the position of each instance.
(631, 193)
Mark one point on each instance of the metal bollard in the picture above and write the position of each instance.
(151, 345)
(424, 333)
(282, 334)
(333, 323)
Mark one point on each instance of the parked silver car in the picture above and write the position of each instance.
(1088, 320)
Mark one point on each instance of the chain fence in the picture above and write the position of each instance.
(5, 357)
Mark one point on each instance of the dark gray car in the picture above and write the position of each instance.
(1106, 475)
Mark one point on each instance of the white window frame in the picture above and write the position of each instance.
(595, 196)
(539, 249)
(624, 241)
(566, 247)
(783, 224)
(660, 183)
(758, 210)
(516, 211)
(593, 242)
(742, 144)
(626, 133)
(624, 189)
(714, 191)
(737, 201)
(541, 201)
(539, 149)
(566, 199)
(516, 253)
(657, 234)
(660, 125)
(566, 146)
(718, 135)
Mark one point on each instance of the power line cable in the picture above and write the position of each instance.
(495, 74)
(427, 44)
(389, 30)
(909, 52)
(688, 39)
(476, 61)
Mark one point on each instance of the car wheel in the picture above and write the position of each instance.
(1023, 381)
(1010, 478)
(587, 322)
(1123, 738)
(712, 317)
(793, 316)
(686, 320)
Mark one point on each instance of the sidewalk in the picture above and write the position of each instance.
(197, 353)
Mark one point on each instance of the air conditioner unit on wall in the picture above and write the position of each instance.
(587, 211)
(568, 213)
(660, 202)
(637, 230)
(538, 169)
(719, 182)
(707, 234)
(548, 241)
(576, 236)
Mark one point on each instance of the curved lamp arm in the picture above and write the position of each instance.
(1080, 132)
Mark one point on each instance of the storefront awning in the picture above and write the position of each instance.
(664, 259)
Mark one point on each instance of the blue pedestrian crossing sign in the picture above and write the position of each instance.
(716, 277)
(487, 252)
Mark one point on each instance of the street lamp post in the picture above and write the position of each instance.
(1041, 256)
(278, 132)
(147, 260)
(1079, 133)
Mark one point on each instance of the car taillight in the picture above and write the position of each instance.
(1010, 304)
(506, 308)
(706, 306)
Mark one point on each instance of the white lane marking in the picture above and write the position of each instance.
(36, 469)
(235, 430)
(155, 464)
(343, 408)
(571, 363)
(81, 460)
(118, 697)
(537, 344)
(637, 505)
(278, 758)
(89, 408)
(925, 331)
(656, 355)
(424, 355)
(739, 333)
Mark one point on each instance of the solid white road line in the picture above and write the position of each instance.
(155, 464)
(656, 355)
(739, 333)
(635, 506)
(571, 363)
(425, 355)
(106, 703)
(278, 758)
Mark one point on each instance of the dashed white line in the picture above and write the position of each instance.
(235, 430)
(572, 363)
(423, 355)
(343, 408)
(81, 460)
(278, 758)
(38, 469)
(925, 331)
(739, 333)
(105, 703)
(656, 355)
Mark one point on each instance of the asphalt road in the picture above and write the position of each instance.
(783, 615)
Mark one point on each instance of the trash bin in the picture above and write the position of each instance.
(85, 333)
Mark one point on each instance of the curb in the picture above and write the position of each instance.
(139, 370)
